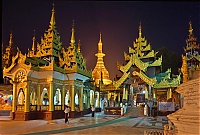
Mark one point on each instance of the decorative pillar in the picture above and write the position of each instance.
(127, 90)
(27, 97)
(154, 97)
(88, 99)
(119, 97)
(169, 93)
(124, 92)
(51, 94)
(81, 99)
(14, 101)
(63, 97)
(72, 98)
(150, 100)
(38, 97)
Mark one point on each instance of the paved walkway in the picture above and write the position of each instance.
(100, 124)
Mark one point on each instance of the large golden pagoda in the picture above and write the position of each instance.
(100, 71)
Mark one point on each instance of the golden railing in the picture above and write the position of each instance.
(57, 107)
(33, 107)
(43, 107)
(20, 108)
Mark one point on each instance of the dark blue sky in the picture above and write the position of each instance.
(164, 24)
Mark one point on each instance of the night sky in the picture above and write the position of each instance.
(164, 24)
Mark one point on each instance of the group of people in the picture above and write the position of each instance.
(67, 110)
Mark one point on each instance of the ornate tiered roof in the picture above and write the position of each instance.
(50, 55)
(141, 57)
(191, 59)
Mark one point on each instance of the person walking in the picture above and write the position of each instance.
(67, 110)
(93, 109)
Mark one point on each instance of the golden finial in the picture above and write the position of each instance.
(72, 36)
(33, 45)
(140, 30)
(100, 44)
(190, 28)
(79, 46)
(53, 7)
(52, 21)
(100, 38)
(11, 40)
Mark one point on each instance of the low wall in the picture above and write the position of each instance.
(5, 112)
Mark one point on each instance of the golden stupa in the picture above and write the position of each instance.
(100, 72)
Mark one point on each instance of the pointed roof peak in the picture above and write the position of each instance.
(190, 28)
(73, 34)
(52, 21)
(140, 30)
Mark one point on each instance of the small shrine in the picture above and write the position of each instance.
(48, 77)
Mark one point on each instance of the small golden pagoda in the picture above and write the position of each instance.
(100, 72)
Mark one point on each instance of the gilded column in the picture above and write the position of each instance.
(154, 97)
(72, 98)
(88, 99)
(63, 97)
(51, 92)
(27, 97)
(81, 99)
(14, 102)
(169, 93)
(127, 89)
(38, 96)
(124, 93)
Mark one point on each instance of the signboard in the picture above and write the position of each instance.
(166, 106)
(140, 98)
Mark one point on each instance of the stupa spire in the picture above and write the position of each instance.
(72, 36)
(100, 44)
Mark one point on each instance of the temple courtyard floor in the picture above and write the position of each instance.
(99, 125)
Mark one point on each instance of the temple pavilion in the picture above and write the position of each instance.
(48, 77)
(142, 80)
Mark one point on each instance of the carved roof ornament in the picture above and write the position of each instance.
(100, 72)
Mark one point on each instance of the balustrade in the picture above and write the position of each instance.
(20, 108)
